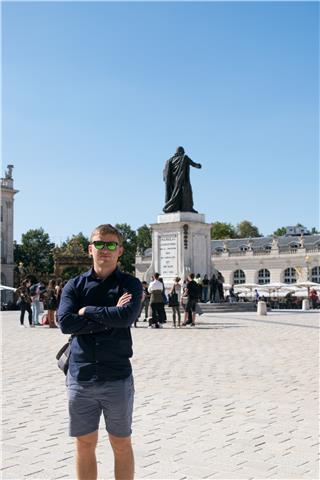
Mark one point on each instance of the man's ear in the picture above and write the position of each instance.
(120, 251)
(90, 249)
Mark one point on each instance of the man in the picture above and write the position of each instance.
(98, 308)
(157, 302)
(193, 295)
(177, 179)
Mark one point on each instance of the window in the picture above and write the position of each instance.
(267, 248)
(243, 248)
(294, 246)
(315, 274)
(239, 277)
(219, 250)
(263, 276)
(290, 275)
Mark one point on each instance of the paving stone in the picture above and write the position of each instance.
(216, 401)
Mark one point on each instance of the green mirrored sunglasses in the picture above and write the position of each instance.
(100, 245)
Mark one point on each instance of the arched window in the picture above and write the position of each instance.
(267, 248)
(219, 250)
(315, 274)
(239, 277)
(244, 248)
(290, 275)
(293, 246)
(263, 276)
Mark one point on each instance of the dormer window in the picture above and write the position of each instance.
(267, 248)
(219, 250)
(243, 248)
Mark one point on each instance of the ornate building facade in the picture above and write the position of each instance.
(286, 259)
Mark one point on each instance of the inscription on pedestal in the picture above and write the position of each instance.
(168, 255)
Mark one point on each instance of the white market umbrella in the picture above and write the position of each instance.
(3, 287)
(307, 284)
(302, 293)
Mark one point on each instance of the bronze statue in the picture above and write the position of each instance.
(178, 187)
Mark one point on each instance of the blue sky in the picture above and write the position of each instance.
(97, 96)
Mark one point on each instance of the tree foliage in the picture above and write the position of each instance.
(35, 252)
(246, 229)
(222, 230)
(127, 260)
(280, 232)
(144, 239)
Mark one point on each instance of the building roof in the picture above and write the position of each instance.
(235, 244)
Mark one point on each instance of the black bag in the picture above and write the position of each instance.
(173, 299)
(63, 356)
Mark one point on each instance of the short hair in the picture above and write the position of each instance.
(177, 279)
(191, 275)
(106, 228)
(156, 276)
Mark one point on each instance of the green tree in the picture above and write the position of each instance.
(127, 260)
(144, 240)
(280, 232)
(221, 230)
(35, 252)
(246, 229)
(313, 231)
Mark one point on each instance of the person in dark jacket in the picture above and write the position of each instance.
(24, 298)
(98, 309)
(193, 295)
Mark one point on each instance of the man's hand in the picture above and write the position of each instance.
(82, 311)
(124, 299)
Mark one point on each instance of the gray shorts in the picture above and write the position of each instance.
(88, 400)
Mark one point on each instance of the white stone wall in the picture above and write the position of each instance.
(7, 216)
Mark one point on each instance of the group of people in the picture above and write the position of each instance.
(186, 295)
(32, 295)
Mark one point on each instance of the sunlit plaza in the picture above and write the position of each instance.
(234, 398)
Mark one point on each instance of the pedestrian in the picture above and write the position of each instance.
(165, 300)
(256, 295)
(145, 302)
(156, 302)
(24, 300)
(97, 308)
(313, 297)
(220, 287)
(205, 289)
(174, 301)
(213, 288)
(35, 302)
(51, 301)
(198, 280)
(193, 295)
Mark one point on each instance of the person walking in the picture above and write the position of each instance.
(35, 302)
(174, 301)
(24, 299)
(193, 295)
(98, 308)
(205, 289)
(145, 303)
(156, 302)
(52, 303)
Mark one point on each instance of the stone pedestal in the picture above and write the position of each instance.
(181, 244)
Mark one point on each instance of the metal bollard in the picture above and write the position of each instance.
(305, 304)
(262, 308)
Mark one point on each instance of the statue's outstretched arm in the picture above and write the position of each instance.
(194, 164)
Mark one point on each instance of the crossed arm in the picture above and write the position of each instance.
(93, 319)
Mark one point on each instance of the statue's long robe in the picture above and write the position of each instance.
(178, 187)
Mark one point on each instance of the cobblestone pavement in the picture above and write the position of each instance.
(234, 398)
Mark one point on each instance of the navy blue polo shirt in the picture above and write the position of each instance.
(102, 345)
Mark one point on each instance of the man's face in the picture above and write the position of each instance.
(105, 257)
